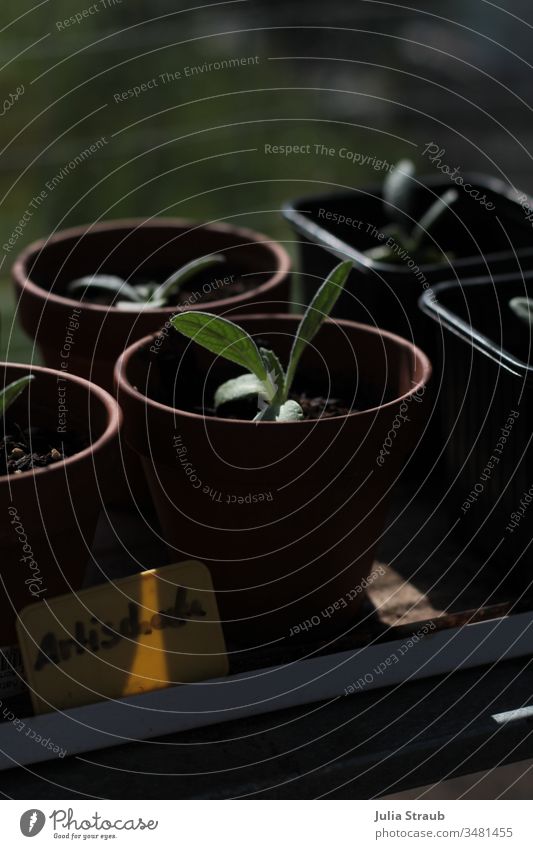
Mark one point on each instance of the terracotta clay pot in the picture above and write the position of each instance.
(87, 338)
(131, 246)
(49, 515)
(286, 515)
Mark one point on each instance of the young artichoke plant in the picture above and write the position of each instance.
(265, 377)
(404, 237)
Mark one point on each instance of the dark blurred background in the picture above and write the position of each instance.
(376, 78)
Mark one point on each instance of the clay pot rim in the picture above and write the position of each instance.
(114, 422)
(282, 260)
(123, 385)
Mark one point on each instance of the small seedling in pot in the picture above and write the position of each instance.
(266, 378)
(523, 309)
(134, 296)
(26, 448)
(12, 451)
(399, 196)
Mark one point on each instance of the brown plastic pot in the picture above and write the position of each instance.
(88, 342)
(282, 559)
(49, 515)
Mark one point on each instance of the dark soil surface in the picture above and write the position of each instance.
(323, 408)
(22, 449)
(314, 407)
(182, 383)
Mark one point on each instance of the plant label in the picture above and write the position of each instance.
(156, 629)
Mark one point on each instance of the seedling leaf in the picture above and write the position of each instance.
(398, 190)
(222, 337)
(107, 284)
(276, 376)
(239, 388)
(290, 411)
(173, 284)
(523, 309)
(315, 314)
(11, 392)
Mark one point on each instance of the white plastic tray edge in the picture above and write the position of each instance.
(180, 708)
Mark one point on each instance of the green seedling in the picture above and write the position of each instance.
(10, 393)
(399, 195)
(135, 296)
(523, 309)
(265, 377)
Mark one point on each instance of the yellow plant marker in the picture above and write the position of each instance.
(152, 630)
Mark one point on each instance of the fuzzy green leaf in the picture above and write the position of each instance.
(103, 284)
(315, 314)
(276, 376)
(11, 392)
(383, 253)
(128, 306)
(290, 411)
(222, 337)
(240, 388)
(523, 309)
(398, 191)
(173, 284)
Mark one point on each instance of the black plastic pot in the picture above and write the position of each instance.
(486, 406)
(340, 225)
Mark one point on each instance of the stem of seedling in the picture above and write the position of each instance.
(265, 377)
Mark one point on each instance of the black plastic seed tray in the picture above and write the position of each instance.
(485, 402)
